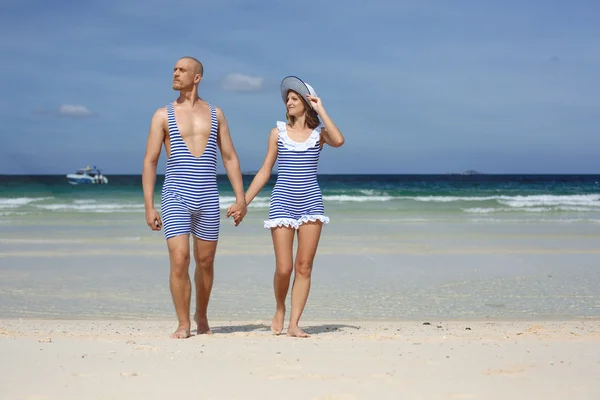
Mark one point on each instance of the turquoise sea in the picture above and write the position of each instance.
(565, 197)
(398, 247)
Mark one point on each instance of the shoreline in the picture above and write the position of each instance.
(222, 321)
(21, 327)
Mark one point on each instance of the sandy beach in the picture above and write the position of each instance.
(82, 359)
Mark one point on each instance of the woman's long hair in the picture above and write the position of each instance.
(310, 115)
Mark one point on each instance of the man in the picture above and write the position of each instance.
(191, 130)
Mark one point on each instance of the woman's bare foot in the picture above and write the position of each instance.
(295, 331)
(202, 326)
(182, 332)
(277, 324)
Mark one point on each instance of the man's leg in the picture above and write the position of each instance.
(283, 241)
(204, 255)
(179, 282)
(177, 226)
(205, 230)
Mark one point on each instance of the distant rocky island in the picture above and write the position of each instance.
(467, 172)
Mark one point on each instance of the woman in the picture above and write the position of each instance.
(296, 202)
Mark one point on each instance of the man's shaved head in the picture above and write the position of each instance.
(187, 73)
(198, 67)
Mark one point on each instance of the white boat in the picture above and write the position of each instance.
(87, 176)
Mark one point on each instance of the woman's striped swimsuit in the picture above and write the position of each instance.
(190, 199)
(296, 197)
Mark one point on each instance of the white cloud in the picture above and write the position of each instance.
(69, 110)
(242, 83)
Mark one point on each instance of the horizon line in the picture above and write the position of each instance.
(355, 173)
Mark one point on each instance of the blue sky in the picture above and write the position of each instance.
(416, 87)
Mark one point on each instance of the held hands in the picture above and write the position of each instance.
(153, 219)
(316, 103)
(237, 211)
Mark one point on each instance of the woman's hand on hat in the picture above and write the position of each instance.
(315, 102)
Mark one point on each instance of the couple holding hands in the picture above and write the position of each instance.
(193, 131)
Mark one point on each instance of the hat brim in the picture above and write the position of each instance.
(296, 84)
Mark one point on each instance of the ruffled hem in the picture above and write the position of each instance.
(294, 223)
(289, 144)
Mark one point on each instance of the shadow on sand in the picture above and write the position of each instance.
(310, 329)
(241, 328)
(326, 328)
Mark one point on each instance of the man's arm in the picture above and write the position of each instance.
(230, 158)
(156, 137)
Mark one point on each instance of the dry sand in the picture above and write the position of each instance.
(52, 359)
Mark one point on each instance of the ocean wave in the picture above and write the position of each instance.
(85, 201)
(360, 199)
(16, 202)
(448, 199)
(95, 207)
(518, 200)
(483, 210)
(578, 203)
(534, 220)
(258, 202)
(496, 210)
(551, 200)
(9, 213)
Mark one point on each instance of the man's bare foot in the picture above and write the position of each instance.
(277, 324)
(296, 332)
(182, 332)
(203, 328)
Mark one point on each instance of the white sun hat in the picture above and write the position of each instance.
(297, 85)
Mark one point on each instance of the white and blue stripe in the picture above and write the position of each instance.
(190, 198)
(296, 197)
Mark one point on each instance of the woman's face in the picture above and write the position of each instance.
(294, 104)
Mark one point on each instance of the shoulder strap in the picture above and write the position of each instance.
(282, 129)
(171, 123)
(214, 119)
(320, 133)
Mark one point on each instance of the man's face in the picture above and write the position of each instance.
(184, 74)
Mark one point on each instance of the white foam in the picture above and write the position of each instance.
(448, 199)
(367, 192)
(258, 202)
(520, 200)
(360, 199)
(7, 213)
(480, 210)
(20, 201)
(583, 203)
(96, 207)
(592, 200)
(85, 201)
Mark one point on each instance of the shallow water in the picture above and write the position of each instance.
(368, 267)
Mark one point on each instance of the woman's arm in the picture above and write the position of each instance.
(264, 173)
(330, 133)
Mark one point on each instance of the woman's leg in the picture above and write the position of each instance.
(283, 241)
(308, 240)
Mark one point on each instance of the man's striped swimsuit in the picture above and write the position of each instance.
(190, 199)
